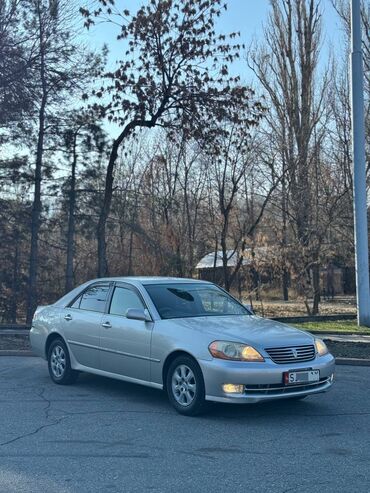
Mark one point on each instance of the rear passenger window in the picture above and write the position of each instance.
(94, 299)
(122, 300)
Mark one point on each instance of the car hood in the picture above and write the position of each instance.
(257, 331)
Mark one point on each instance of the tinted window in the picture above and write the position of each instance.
(122, 300)
(94, 298)
(193, 300)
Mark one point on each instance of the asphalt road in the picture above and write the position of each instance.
(101, 435)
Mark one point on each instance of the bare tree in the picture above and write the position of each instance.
(234, 164)
(286, 66)
(175, 72)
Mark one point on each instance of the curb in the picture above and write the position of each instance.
(335, 333)
(352, 361)
(13, 332)
(6, 352)
(315, 318)
(347, 338)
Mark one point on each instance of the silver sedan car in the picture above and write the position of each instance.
(190, 338)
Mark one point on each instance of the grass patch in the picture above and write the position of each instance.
(343, 326)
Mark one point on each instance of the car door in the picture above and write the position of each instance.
(125, 343)
(81, 323)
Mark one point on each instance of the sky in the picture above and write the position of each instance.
(246, 16)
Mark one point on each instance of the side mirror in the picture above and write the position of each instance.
(138, 314)
(249, 308)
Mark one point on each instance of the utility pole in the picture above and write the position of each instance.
(359, 169)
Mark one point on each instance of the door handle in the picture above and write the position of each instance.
(106, 325)
(68, 317)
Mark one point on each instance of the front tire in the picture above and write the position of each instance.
(59, 363)
(185, 386)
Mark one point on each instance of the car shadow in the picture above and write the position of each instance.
(141, 395)
(271, 409)
(133, 392)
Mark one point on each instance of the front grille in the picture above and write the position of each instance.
(293, 354)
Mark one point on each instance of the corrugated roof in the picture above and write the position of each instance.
(208, 261)
(261, 253)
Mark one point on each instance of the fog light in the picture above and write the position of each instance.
(230, 388)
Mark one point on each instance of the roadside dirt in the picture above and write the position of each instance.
(349, 349)
(14, 342)
(297, 308)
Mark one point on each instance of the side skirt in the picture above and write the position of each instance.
(116, 376)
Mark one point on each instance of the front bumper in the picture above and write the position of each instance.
(262, 381)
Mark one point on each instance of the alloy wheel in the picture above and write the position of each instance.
(58, 361)
(184, 385)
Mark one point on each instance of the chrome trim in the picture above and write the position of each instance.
(291, 354)
(291, 388)
(75, 343)
(114, 351)
(130, 355)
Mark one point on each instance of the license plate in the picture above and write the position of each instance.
(297, 377)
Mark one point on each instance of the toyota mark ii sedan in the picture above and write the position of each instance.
(189, 338)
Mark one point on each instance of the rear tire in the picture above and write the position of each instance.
(59, 363)
(185, 386)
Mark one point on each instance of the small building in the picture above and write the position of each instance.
(259, 268)
(210, 267)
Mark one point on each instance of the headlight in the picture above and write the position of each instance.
(321, 348)
(234, 351)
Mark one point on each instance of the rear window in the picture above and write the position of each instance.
(193, 300)
(93, 299)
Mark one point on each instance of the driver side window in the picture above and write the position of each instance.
(122, 300)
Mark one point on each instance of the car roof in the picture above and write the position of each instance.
(134, 280)
(152, 279)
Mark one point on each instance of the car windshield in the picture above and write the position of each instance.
(180, 300)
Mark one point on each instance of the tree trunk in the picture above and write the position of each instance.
(131, 245)
(108, 193)
(285, 282)
(316, 288)
(71, 222)
(190, 237)
(285, 273)
(225, 268)
(15, 277)
(104, 213)
(214, 270)
(36, 207)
